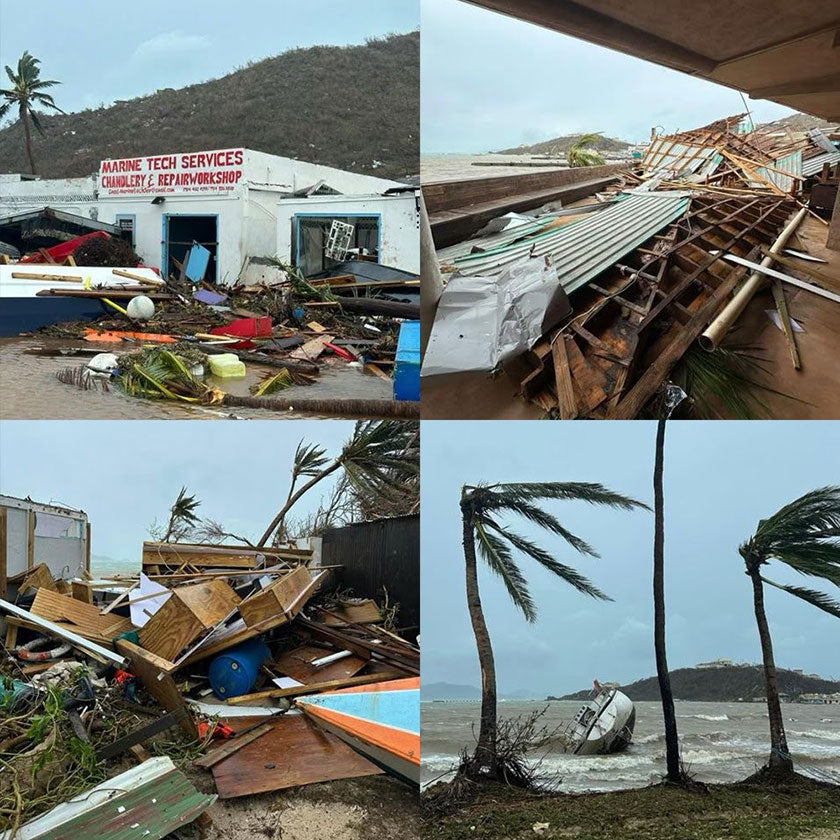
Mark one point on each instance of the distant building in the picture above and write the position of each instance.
(715, 663)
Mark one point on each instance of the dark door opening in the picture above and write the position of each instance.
(179, 234)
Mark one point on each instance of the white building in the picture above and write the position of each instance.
(238, 203)
(42, 533)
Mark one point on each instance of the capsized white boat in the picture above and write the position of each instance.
(602, 725)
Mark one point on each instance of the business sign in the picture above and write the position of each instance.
(190, 173)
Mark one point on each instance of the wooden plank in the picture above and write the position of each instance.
(316, 688)
(648, 383)
(141, 734)
(297, 664)
(229, 748)
(784, 317)
(566, 403)
(82, 591)
(39, 578)
(295, 752)
(364, 612)
(281, 597)
(156, 675)
(210, 600)
(171, 629)
(79, 617)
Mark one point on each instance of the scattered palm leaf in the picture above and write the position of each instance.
(722, 384)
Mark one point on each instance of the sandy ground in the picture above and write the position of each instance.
(353, 809)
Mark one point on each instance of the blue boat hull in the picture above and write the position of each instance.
(20, 315)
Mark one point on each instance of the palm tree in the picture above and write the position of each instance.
(481, 508)
(381, 460)
(802, 535)
(579, 155)
(672, 398)
(26, 91)
(182, 516)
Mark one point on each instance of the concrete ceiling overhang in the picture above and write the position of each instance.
(787, 51)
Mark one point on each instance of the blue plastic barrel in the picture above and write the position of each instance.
(407, 367)
(235, 671)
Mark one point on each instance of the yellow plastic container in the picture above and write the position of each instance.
(226, 365)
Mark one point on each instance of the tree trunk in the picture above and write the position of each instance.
(780, 760)
(281, 515)
(341, 407)
(672, 746)
(24, 115)
(485, 752)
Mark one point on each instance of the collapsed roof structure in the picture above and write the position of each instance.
(654, 265)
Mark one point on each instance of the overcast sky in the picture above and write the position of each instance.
(127, 474)
(721, 478)
(102, 51)
(490, 82)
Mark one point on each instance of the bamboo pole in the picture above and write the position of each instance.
(715, 332)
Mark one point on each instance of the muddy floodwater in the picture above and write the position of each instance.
(29, 389)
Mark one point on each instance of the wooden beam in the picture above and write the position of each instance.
(316, 688)
(232, 746)
(566, 402)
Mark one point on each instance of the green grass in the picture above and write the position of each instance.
(727, 812)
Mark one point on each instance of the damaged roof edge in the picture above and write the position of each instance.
(148, 801)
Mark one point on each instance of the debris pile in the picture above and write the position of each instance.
(654, 271)
(229, 658)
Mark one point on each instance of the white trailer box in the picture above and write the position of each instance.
(33, 533)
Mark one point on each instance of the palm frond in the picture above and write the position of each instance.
(309, 459)
(500, 560)
(818, 599)
(722, 384)
(595, 494)
(542, 518)
(567, 573)
(803, 535)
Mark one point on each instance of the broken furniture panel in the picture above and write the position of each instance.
(189, 612)
(295, 752)
(283, 599)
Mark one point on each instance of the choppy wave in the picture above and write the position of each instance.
(705, 717)
(821, 734)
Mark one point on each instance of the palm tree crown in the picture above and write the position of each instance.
(804, 536)
(484, 504)
(27, 89)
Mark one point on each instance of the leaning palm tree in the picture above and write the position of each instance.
(803, 535)
(27, 90)
(579, 153)
(481, 509)
(380, 461)
(182, 516)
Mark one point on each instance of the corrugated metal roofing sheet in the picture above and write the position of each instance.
(813, 165)
(582, 250)
(791, 163)
(146, 802)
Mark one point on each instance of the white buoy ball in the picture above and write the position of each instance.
(140, 308)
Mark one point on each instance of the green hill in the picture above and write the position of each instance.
(356, 108)
(726, 685)
(560, 145)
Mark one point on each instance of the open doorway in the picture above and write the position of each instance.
(312, 231)
(179, 233)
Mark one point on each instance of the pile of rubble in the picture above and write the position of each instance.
(227, 658)
(660, 263)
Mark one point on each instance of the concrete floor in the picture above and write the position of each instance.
(817, 384)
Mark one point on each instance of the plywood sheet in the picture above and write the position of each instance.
(364, 612)
(171, 629)
(297, 664)
(295, 752)
(84, 619)
(210, 601)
